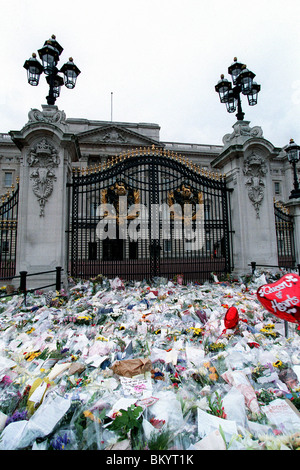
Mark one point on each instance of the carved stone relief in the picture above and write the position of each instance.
(113, 137)
(43, 159)
(50, 114)
(242, 132)
(255, 169)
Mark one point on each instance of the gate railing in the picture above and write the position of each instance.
(23, 276)
(284, 225)
(8, 233)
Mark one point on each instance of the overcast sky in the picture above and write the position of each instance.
(161, 59)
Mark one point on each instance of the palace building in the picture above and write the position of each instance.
(100, 141)
(57, 175)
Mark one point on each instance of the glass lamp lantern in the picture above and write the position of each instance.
(49, 54)
(253, 95)
(223, 87)
(235, 69)
(55, 82)
(71, 72)
(34, 69)
(245, 80)
(242, 80)
(293, 152)
(231, 102)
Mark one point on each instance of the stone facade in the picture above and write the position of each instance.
(98, 141)
(43, 153)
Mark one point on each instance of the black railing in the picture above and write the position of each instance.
(284, 225)
(8, 233)
(22, 289)
(254, 265)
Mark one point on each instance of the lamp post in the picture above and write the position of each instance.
(242, 81)
(49, 55)
(293, 154)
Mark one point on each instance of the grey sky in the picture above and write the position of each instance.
(161, 59)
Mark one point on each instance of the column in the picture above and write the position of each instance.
(47, 152)
(246, 162)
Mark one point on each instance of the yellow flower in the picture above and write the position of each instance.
(270, 326)
(101, 338)
(89, 414)
(277, 364)
(197, 331)
(32, 355)
(30, 331)
(213, 376)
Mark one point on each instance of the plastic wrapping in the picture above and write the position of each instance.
(153, 356)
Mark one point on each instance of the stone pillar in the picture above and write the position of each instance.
(246, 162)
(47, 151)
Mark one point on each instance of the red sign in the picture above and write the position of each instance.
(282, 298)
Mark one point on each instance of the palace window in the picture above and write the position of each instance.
(277, 188)
(8, 178)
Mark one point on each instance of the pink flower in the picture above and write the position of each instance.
(6, 380)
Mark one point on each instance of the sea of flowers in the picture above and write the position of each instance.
(108, 364)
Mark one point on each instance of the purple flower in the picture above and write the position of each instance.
(63, 351)
(201, 315)
(60, 442)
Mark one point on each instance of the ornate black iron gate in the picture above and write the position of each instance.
(149, 213)
(8, 233)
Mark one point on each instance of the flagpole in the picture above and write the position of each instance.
(111, 106)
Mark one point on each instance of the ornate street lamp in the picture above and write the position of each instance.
(293, 154)
(242, 80)
(49, 55)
